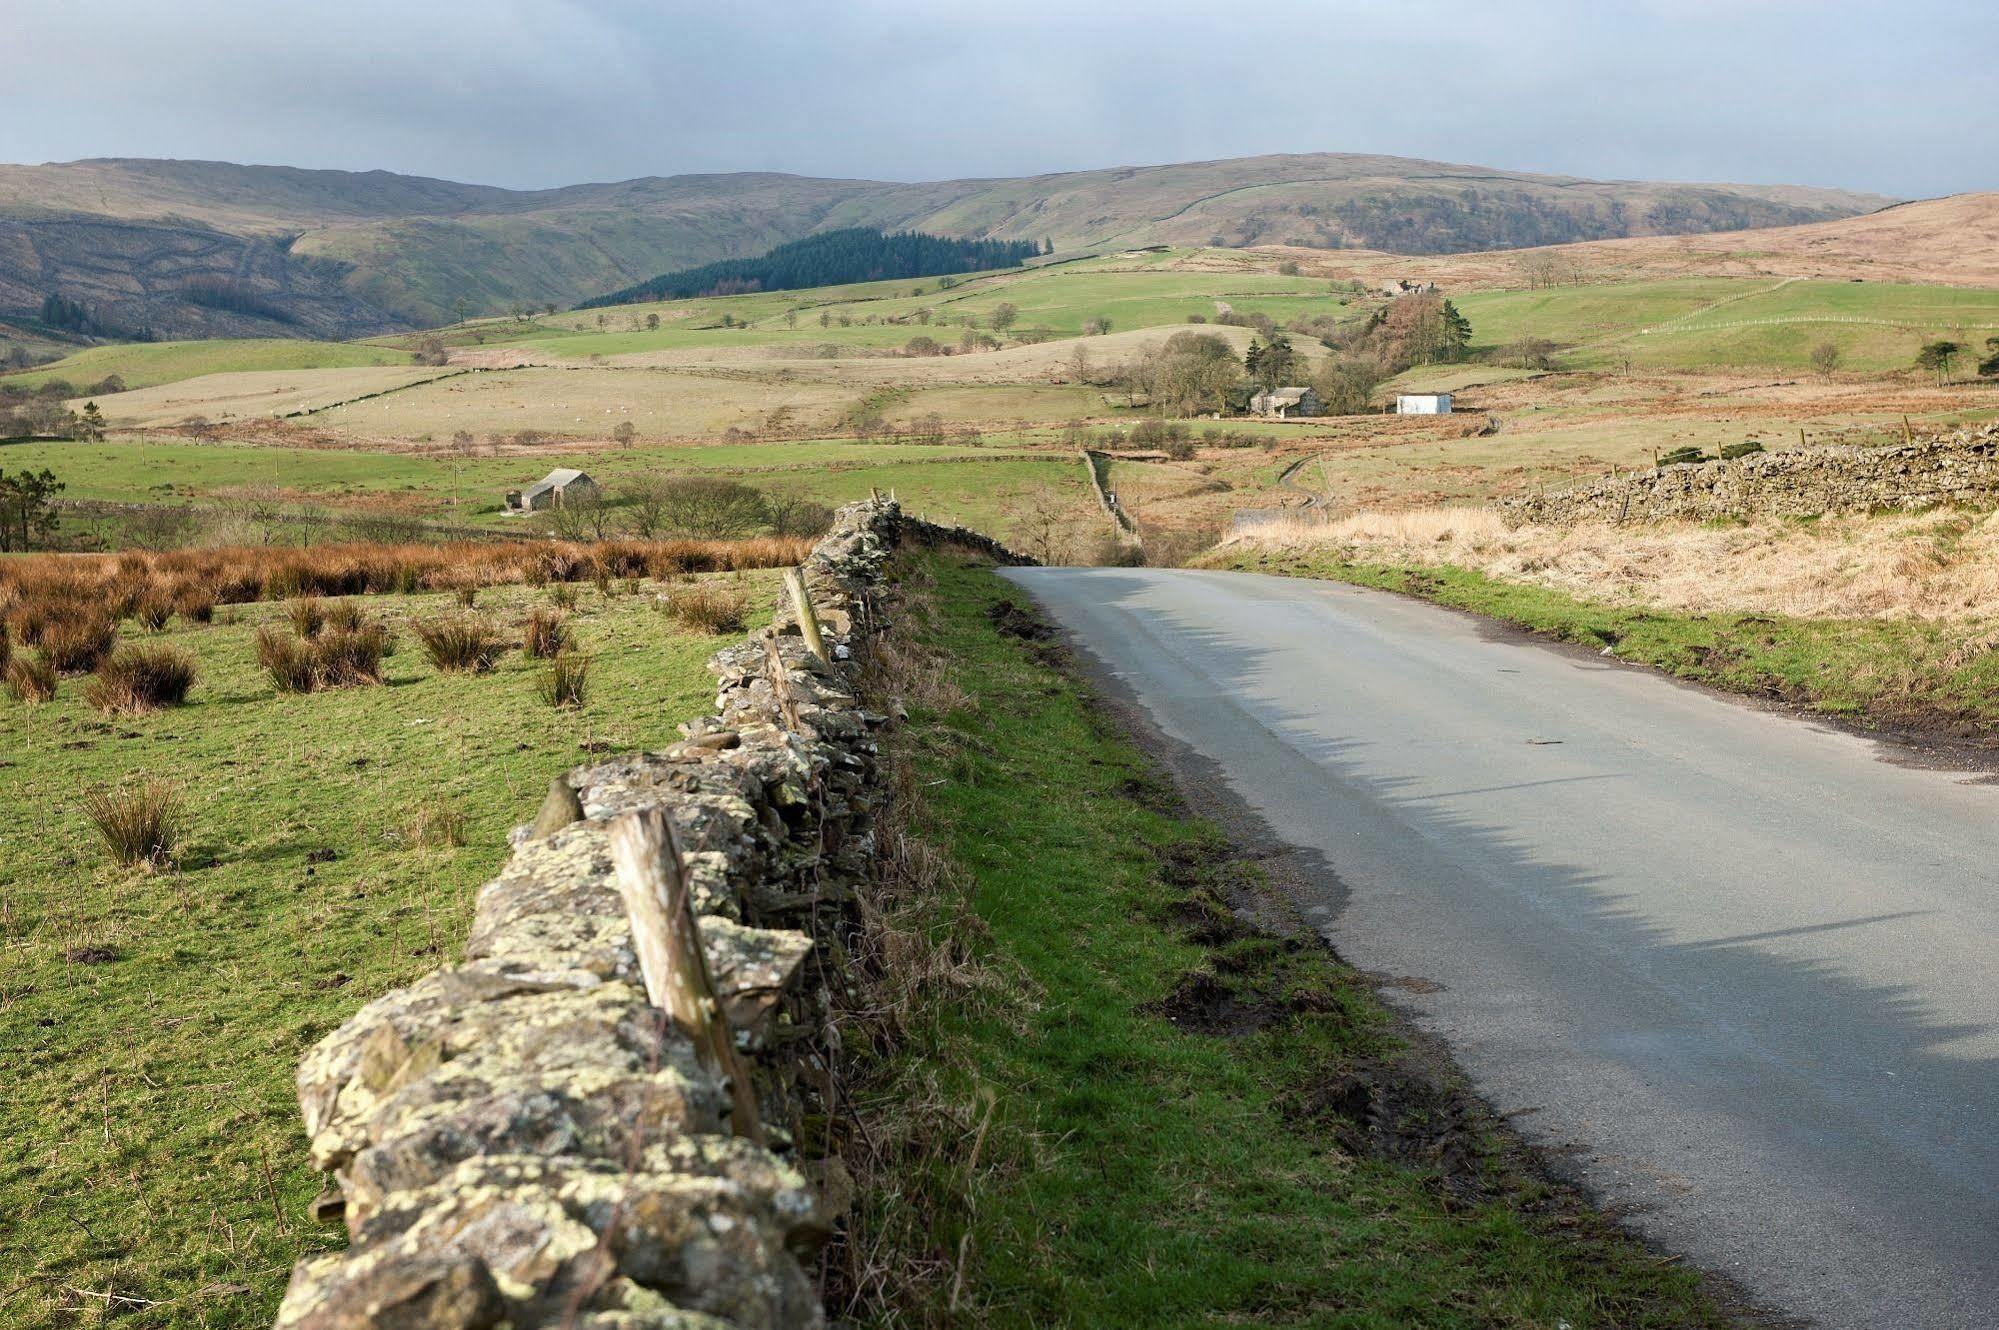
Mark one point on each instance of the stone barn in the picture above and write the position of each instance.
(552, 491)
(1284, 403)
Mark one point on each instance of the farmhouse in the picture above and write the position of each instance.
(1284, 403)
(1423, 404)
(552, 491)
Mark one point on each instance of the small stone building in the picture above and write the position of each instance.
(1423, 404)
(552, 491)
(1284, 403)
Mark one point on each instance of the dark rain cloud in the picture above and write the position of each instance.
(1895, 98)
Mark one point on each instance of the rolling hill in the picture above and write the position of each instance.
(1951, 241)
(204, 249)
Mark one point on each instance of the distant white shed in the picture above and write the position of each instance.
(1423, 404)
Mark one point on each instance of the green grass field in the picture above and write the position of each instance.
(1681, 324)
(1722, 323)
(947, 481)
(150, 1023)
(1134, 1171)
(148, 364)
(1579, 314)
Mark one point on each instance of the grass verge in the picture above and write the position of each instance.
(152, 1166)
(1920, 675)
(1152, 1113)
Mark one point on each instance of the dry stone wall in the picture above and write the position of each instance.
(522, 1139)
(1960, 468)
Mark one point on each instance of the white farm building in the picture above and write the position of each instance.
(1423, 404)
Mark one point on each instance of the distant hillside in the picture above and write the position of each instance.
(1951, 241)
(851, 254)
(205, 249)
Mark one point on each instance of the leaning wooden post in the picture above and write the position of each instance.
(808, 622)
(780, 684)
(668, 942)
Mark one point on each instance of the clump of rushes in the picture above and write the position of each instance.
(31, 678)
(460, 644)
(545, 634)
(709, 609)
(563, 682)
(337, 658)
(287, 660)
(308, 616)
(153, 610)
(195, 605)
(346, 656)
(468, 596)
(76, 645)
(563, 594)
(141, 823)
(343, 616)
(134, 680)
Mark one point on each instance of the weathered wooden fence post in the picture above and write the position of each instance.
(667, 939)
(808, 620)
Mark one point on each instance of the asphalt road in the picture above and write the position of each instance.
(1740, 969)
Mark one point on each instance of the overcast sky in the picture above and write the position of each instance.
(1898, 98)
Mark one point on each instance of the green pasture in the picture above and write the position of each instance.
(149, 364)
(145, 471)
(155, 1172)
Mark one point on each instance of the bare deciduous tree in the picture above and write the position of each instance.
(711, 507)
(793, 514)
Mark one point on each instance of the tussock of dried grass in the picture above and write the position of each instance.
(31, 678)
(460, 644)
(1936, 565)
(564, 681)
(545, 634)
(707, 608)
(141, 822)
(135, 680)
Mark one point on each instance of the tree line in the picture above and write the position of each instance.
(1195, 373)
(853, 254)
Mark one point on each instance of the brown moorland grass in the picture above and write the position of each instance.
(39, 591)
(711, 609)
(1938, 565)
(31, 678)
(75, 644)
(154, 609)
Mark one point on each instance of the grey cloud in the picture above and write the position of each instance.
(1868, 95)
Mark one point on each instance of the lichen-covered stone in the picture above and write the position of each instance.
(522, 1140)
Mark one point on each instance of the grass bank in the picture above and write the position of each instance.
(1926, 675)
(152, 1168)
(1148, 1112)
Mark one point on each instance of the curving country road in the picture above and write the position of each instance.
(1745, 969)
